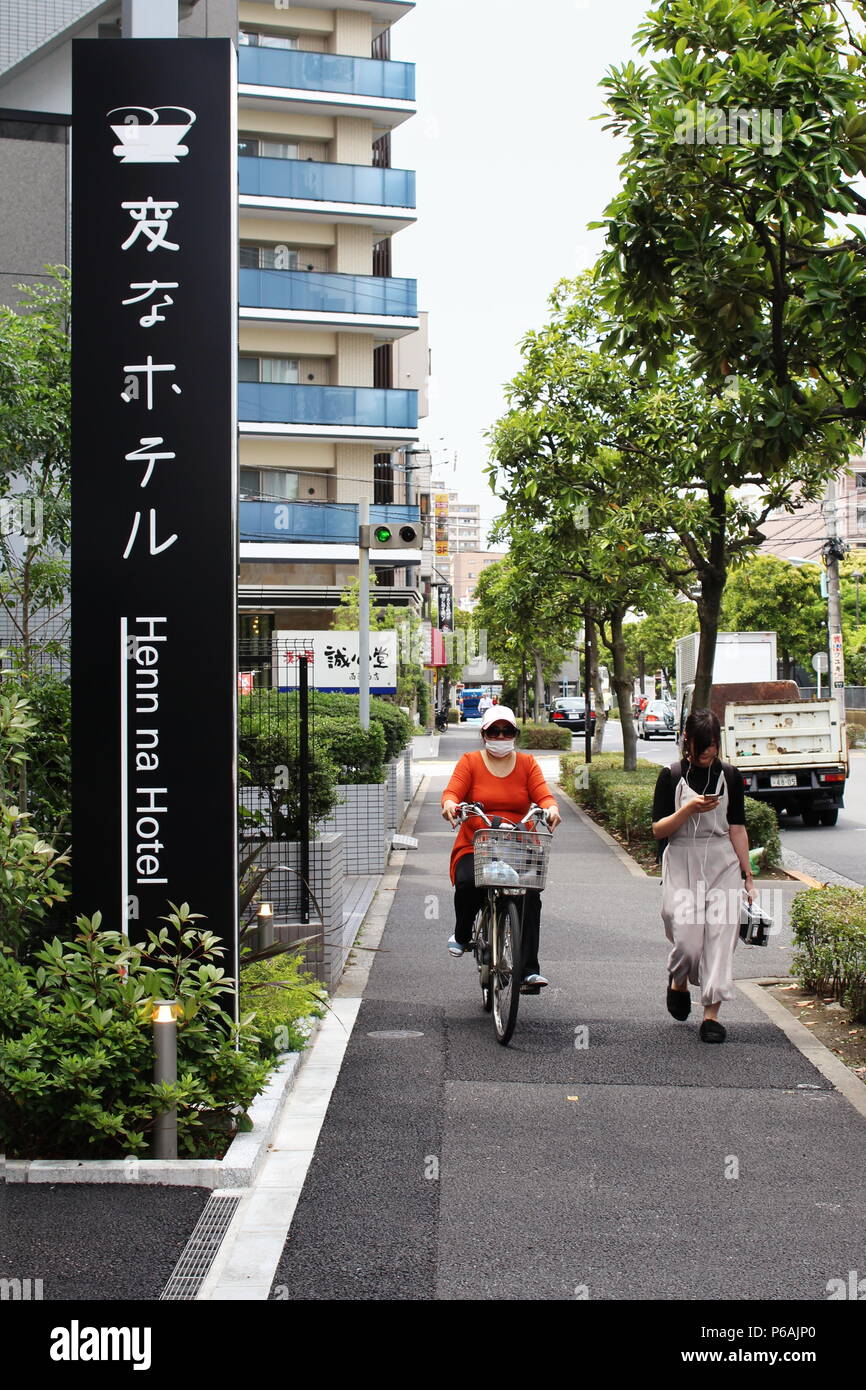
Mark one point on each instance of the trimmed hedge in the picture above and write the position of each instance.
(358, 753)
(625, 799)
(829, 930)
(454, 716)
(543, 736)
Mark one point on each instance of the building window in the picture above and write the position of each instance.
(860, 480)
(861, 517)
(282, 370)
(268, 258)
(257, 148)
(268, 484)
(260, 38)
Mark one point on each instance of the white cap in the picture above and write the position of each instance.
(498, 714)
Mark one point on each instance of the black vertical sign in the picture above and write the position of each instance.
(154, 544)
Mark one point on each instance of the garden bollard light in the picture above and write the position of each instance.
(266, 925)
(164, 1019)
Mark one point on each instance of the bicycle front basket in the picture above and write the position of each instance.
(511, 858)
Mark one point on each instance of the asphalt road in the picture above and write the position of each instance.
(571, 1164)
(837, 847)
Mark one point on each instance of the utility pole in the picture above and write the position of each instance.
(587, 684)
(364, 613)
(833, 550)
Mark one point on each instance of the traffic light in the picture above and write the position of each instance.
(399, 536)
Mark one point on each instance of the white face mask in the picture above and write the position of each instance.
(499, 747)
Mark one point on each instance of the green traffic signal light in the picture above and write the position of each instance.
(383, 534)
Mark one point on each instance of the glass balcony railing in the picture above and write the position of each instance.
(314, 521)
(365, 406)
(266, 177)
(332, 293)
(326, 72)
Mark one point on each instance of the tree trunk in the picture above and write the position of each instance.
(623, 686)
(595, 677)
(712, 575)
(539, 685)
(523, 689)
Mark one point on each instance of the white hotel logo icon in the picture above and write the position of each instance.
(152, 143)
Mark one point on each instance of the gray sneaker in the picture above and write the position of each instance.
(455, 948)
(536, 981)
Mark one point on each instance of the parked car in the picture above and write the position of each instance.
(571, 713)
(658, 718)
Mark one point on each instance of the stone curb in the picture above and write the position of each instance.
(240, 1167)
(837, 1073)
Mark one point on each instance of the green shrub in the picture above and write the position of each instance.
(76, 1052)
(453, 716)
(829, 932)
(625, 799)
(278, 994)
(357, 753)
(856, 735)
(267, 744)
(397, 726)
(543, 736)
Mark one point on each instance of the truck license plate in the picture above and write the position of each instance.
(783, 779)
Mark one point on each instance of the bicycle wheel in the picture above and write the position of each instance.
(508, 960)
(481, 938)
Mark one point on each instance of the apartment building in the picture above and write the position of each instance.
(800, 535)
(467, 566)
(324, 419)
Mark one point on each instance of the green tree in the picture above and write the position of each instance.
(35, 467)
(745, 138)
(655, 636)
(772, 594)
(629, 476)
(529, 631)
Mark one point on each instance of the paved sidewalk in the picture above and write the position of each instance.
(451, 1168)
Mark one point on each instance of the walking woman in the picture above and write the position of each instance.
(701, 814)
(506, 783)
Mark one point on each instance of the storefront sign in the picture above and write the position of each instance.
(335, 660)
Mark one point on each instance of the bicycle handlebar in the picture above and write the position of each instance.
(535, 813)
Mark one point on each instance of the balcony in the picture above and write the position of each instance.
(327, 412)
(322, 522)
(324, 187)
(295, 70)
(305, 296)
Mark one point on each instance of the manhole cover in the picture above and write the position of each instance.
(393, 1034)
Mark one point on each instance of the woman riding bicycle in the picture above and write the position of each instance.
(506, 783)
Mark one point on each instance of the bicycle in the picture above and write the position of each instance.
(509, 859)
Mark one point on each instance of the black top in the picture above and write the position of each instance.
(663, 800)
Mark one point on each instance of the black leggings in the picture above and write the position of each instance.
(469, 900)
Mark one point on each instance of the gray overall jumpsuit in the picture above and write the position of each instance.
(702, 888)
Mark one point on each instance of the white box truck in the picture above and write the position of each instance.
(791, 752)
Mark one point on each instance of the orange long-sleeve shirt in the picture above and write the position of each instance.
(510, 797)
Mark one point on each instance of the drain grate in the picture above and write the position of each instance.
(201, 1249)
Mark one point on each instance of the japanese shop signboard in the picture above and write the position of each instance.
(154, 546)
(440, 512)
(335, 661)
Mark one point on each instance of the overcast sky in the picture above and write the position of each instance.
(511, 167)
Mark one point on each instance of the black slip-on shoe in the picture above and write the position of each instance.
(712, 1032)
(679, 1002)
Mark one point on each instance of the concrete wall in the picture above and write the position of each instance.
(33, 222)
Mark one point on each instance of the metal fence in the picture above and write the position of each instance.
(855, 695)
(277, 785)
